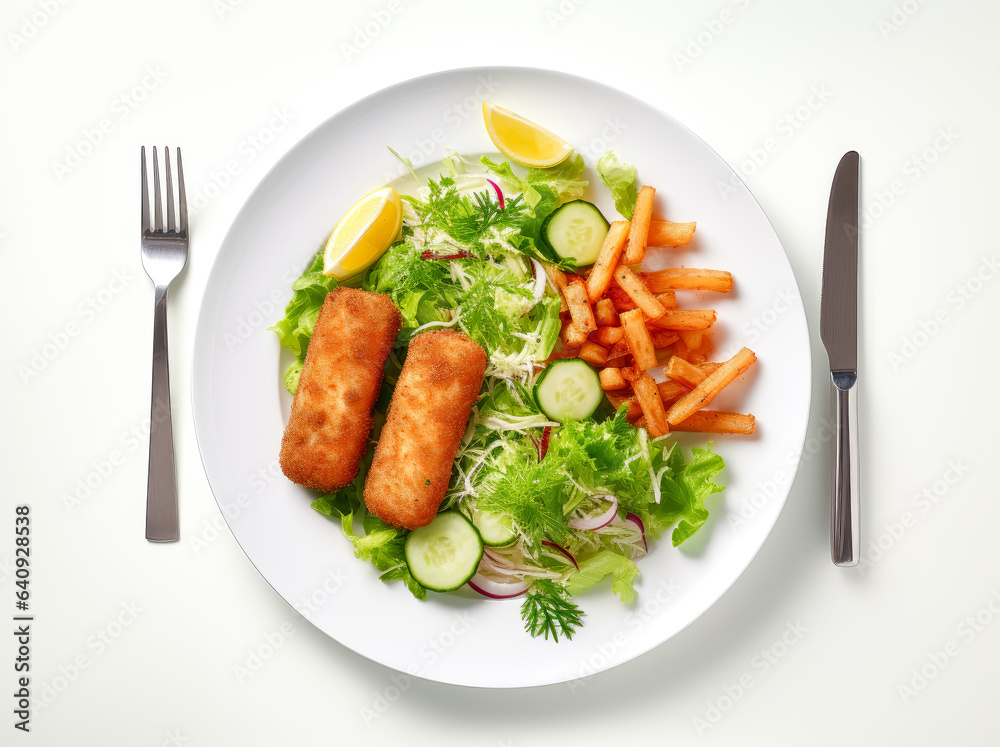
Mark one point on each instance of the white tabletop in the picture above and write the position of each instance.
(135, 643)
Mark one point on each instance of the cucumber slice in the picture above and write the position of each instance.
(496, 530)
(575, 230)
(445, 554)
(568, 388)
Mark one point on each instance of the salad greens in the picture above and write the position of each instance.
(620, 179)
(470, 258)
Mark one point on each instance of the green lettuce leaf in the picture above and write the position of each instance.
(685, 488)
(606, 563)
(620, 179)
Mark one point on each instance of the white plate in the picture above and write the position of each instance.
(240, 404)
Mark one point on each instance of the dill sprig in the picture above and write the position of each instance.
(547, 609)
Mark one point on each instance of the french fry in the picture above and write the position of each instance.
(651, 404)
(661, 338)
(572, 336)
(692, 337)
(671, 391)
(619, 355)
(575, 294)
(716, 421)
(617, 399)
(605, 314)
(630, 373)
(688, 278)
(638, 231)
(607, 336)
(684, 319)
(688, 374)
(612, 379)
(639, 293)
(593, 353)
(607, 259)
(665, 233)
(638, 340)
(681, 350)
(620, 299)
(667, 299)
(714, 383)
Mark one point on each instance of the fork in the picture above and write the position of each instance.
(164, 254)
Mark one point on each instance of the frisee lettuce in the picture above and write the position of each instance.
(620, 179)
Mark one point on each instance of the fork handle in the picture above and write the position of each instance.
(161, 488)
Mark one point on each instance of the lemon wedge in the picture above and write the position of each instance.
(363, 235)
(523, 141)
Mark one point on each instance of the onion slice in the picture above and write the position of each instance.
(598, 521)
(642, 528)
(563, 550)
(495, 589)
(540, 279)
(498, 191)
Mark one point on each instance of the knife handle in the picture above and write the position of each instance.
(845, 519)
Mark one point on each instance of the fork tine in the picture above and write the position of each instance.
(145, 193)
(170, 190)
(157, 211)
(181, 194)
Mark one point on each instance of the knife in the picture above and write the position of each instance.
(838, 327)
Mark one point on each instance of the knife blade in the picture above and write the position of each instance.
(839, 331)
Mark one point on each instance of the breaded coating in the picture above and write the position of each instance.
(427, 418)
(327, 432)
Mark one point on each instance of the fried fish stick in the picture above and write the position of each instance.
(327, 432)
(427, 417)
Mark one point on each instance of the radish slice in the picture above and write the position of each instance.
(498, 191)
(543, 445)
(540, 279)
(460, 255)
(599, 521)
(496, 590)
(642, 529)
(563, 550)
